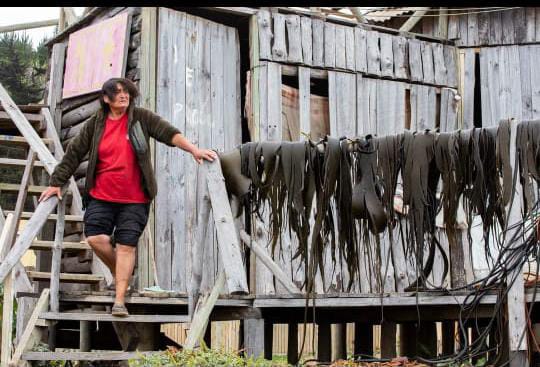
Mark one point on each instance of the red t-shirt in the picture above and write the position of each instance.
(118, 175)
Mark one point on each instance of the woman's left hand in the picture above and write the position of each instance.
(200, 154)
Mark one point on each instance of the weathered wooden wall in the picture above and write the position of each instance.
(512, 26)
(377, 83)
(198, 91)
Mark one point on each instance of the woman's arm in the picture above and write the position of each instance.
(198, 154)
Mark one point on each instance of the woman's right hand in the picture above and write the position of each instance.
(50, 191)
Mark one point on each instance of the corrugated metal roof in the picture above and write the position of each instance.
(383, 15)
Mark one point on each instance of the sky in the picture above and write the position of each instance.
(16, 15)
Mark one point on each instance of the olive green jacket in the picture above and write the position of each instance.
(87, 141)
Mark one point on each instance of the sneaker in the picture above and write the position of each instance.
(119, 310)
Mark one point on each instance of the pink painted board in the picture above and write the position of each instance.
(95, 54)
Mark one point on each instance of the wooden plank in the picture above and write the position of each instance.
(307, 40)
(520, 25)
(254, 337)
(175, 60)
(472, 29)
(387, 55)
(65, 246)
(507, 27)
(442, 24)
(264, 20)
(87, 316)
(329, 44)
(294, 51)
(350, 51)
(484, 87)
(515, 82)
(438, 60)
(18, 140)
(85, 356)
(318, 41)
(413, 20)
(67, 277)
(31, 336)
(373, 53)
(452, 27)
(360, 49)
(535, 82)
(483, 29)
(341, 60)
(270, 264)
(279, 48)
(495, 28)
(227, 239)
(468, 88)
(399, 48)
(530, 28)
(463, 27)
(415, 60)
(274, 101)
(427, 62)
(16, 162)
(517, 323)
(202, 314)
(451, 65)
(69, 218)
(304, 110)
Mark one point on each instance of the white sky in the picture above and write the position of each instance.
(16, 15)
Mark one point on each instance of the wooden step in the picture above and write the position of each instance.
(66, 277)
(29, 108)
(19, 140)
(37, 120)
(84, 356)
(67, 217)
(18, 162)
(105, 316)
(66, 246)
(32, 189)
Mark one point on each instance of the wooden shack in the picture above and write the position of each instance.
(225, 76)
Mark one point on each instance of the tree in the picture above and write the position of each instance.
(22, 68)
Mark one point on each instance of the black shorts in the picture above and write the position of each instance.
(126, 220)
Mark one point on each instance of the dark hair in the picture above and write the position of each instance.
(109, 89)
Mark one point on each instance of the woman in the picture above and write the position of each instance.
(120, 182)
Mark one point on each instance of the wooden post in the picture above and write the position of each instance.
(339, 341)
(268, 339)
(84, 336)
(54, 97)
(324, 342)
(363, 339)
(388, 339)
(254, 337)
(292, 343)
(517, 326)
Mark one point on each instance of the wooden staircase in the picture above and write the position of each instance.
(33, 128)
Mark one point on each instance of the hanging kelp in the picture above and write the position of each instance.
(528, 156)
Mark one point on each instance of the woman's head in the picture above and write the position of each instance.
(118, 93)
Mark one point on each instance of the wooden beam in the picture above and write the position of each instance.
(265, 258)
(413, 19)
(54, 97)
(31, 336)
(229, 246)
(71, 17)
(28, 25)
(202, 313)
